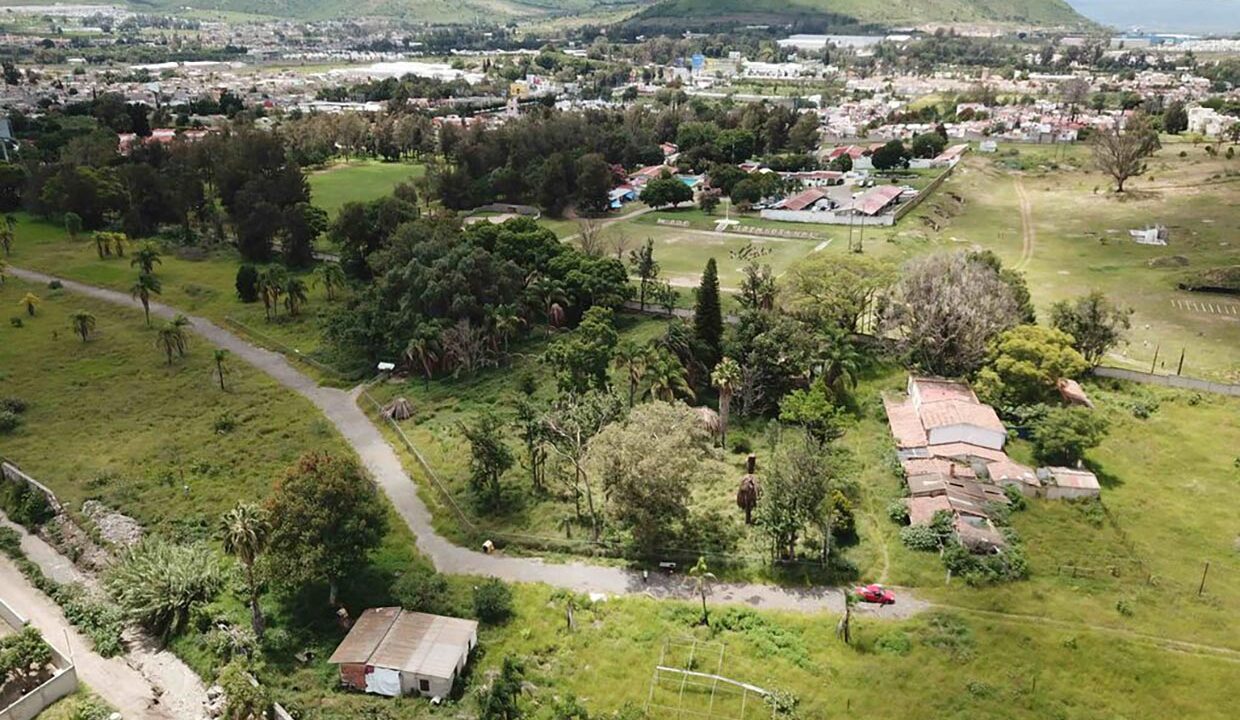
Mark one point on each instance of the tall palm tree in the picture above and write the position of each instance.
(703, 580)
(244, 531)
(220, 368)
(83, 324)
(294, 294)
(119, 241)
(146, 286)
(330, 276)
(31, 302)
(632, 359)
(423, 349)
(666, 377)
(180, 322)
(271, 282)
(146, 258)
(726, 378)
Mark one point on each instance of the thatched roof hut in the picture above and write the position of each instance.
(709, 418)
(398, 409)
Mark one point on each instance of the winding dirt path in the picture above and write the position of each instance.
(340, 407)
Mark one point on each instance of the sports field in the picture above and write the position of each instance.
(358, 180)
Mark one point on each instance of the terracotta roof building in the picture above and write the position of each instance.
(390, 651)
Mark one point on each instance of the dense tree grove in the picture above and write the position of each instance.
(464, 290)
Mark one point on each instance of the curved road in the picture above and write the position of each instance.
(341, 409)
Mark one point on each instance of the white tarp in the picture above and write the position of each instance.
(383, 681)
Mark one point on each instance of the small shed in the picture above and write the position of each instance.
(1061, 483)
(394, 652)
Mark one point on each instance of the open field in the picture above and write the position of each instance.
(109, 419)
(1080, 242)
(358, 181)
(206, 286)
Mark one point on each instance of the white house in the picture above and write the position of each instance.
(951, 413)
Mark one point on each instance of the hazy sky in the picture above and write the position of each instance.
(1197, 16)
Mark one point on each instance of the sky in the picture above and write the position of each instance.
(1220, 17)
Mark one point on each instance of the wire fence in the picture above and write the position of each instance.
(289, 352)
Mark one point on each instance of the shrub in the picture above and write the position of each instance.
(422, 589)
(55, 285)
(157, 583)
(894, 642)
(1063, 436)
(897, 510)
(24, 505)
(14, 405)
(89, 708)
(17, 322)
(920, 537)
(492, 601)
(247, 283)
(9, 421)
(1016, 500)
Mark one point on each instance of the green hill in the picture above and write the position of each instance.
(429, 11)
(1040, 13)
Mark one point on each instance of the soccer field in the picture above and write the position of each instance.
(358, 180)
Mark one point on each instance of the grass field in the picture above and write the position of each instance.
(358, 181)
(1080, 242)
(206, 287)
(102, 414)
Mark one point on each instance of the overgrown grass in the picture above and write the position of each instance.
(109, 419)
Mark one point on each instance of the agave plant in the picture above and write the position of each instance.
(157, 583)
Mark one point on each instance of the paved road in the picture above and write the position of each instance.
(341, 408)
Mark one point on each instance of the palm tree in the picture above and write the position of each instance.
(843, 630)
(31, 302)
(146, 286)
(83, 324)
(504, 324)
(146, 258)
(839, 362)
(3, 266)
(726, 378)
(168, 340)
(220, 369)
(330, 276)
(271, 282)
(632, 359)
(294, 294)
(703, 579)
(666, 377)
(180, 322)
(423, 349)
(119, 241)
(244, 531)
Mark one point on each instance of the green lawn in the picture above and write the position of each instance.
(198, 286)
(358, 181)
(109, 419)
(1082, 242)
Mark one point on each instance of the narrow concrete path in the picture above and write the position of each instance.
(150, 672)
(1028, 233)
(123, 687)
(385, 467)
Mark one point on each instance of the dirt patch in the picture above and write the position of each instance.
(1169, 261)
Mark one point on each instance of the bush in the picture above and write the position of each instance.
(89, 709)
(9, 421)
(920, 537)
(422, 589)
(55, 285)
(247, 283)
(157, 583)
(897, 510)
(14, 405)
(24, 505)
(1064, 434)
(492, 601)
(894, 642)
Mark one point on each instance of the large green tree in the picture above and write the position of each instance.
(1095, 323)
(1025, 363)
(326, 517)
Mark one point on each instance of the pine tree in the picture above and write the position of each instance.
(708, 316)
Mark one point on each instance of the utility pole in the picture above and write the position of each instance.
(1155, 361)
(1180, 367)
(1202, 587)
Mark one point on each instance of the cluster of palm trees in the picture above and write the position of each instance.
(274, 283)
(464, 347)
(172, 338)
(654, 370)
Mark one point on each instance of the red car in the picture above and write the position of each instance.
(875, 594)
